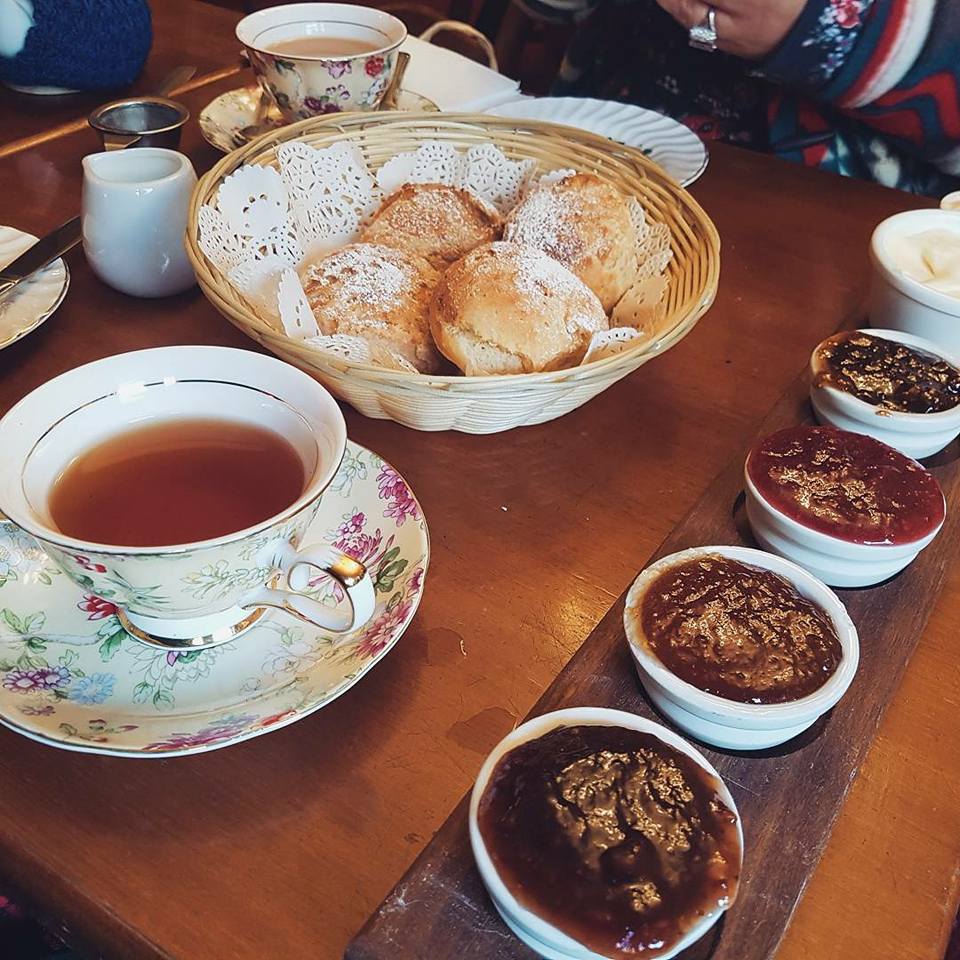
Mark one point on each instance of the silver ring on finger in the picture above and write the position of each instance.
(703, 36)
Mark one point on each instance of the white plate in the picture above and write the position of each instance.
(41, 90)
(70, 676)
(33, 300)
(665, 141)
(222, 119)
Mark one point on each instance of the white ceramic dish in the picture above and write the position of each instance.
(728, 723)
(914, 434)
(898, 302)
(34, 300)
(123, 190)
(233, 119)
(70, 676)
(839, 563)
(665, 141)
(539, 935)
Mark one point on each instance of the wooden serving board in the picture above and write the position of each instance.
(788, 796)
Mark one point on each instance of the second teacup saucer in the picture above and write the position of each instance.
(230, 120)
(72, 678)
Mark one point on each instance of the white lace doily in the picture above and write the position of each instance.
(267, 222)
(606, 343)
(483, 170)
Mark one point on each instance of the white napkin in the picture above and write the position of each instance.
(452, 81)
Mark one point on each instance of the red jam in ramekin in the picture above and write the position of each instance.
(846, 485)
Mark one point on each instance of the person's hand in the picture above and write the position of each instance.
(745, 28)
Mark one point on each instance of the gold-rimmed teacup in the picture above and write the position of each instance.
(352, 72)
(187, 595)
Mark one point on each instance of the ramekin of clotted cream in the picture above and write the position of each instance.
(916, 275)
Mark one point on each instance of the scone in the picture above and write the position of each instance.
(585, 223)
(507, 308)
(378, 293)
(433, 221)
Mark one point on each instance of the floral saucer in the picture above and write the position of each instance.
(230, 120)
(34, 300)
(72, 678)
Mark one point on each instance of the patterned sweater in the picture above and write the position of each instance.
(865, 88)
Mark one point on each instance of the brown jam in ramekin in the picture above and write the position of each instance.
(738, 631)
(612, 836)
(887, 374)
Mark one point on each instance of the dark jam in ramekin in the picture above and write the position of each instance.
(612, 836)
(846, 485)
(887, 374)
(738, 631)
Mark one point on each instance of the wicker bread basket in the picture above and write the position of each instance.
(480, 404)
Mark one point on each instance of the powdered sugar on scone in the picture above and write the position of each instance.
(507, 308)
(537, 272)
(548, 220)
(377, 293)
(432, 220)
(362, 274)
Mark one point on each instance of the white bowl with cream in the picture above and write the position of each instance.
(917, 435)
(543, 937)
(731, 724)
(916, 276)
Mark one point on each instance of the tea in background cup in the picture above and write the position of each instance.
(177, 484)
(318, 58)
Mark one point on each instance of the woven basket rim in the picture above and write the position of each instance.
(208, 276)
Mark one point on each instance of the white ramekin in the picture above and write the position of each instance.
(837, 562)
(540, 936)
(898, 302)
(729, 723)
(915, 434)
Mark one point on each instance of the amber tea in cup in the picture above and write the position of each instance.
(181, 484)
(176, 481)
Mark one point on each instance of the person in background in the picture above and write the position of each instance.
(865, 88)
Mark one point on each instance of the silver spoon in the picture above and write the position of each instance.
(389, 101)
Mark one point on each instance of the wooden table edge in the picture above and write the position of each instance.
(72, 126)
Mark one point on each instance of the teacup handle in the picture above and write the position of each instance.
(297, 565)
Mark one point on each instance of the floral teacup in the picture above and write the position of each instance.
(189, 595)
(304, 84)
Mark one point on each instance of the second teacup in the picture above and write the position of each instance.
(317, 58)
(200, 592)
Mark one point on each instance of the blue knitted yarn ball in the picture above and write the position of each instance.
(82, 45)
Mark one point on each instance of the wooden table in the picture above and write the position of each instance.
(186, 32)
(281, 847)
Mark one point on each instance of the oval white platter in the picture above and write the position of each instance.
(665, 141)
